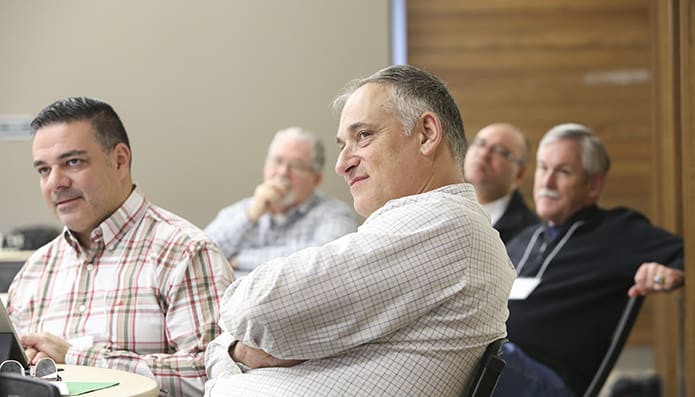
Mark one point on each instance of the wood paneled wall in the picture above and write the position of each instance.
(686, 18)
(667, 183)
(686, 96)
(537, 63)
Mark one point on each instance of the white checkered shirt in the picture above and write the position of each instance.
(403, 307)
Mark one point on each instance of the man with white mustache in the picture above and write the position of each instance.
(576, 270)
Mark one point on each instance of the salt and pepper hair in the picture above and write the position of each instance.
(106, 124)
(414, 92)
(318, 152)
(595, 159)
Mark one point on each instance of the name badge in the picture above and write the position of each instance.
(523, 286)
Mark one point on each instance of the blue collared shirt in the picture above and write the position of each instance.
(318, 220)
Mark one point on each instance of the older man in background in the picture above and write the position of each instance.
(286, 213)
(576, 270)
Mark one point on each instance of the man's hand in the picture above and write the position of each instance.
(256, 358)
(268, 196)
(655, 277)
(43, 345)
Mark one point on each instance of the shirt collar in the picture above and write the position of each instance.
(465, 190)
(306, 204)
(117, 225)
(583, 214)
(300, 209)
(496, 208)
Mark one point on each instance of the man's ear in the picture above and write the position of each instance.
(519, 177)
(122, 154)
(430, 133)
(318, 178)
(596, 185)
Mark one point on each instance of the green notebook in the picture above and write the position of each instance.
(77, 388)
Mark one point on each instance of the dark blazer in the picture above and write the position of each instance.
(515, 218)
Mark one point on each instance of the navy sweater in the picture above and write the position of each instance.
(567, 322)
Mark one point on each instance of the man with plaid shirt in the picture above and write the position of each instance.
(127, 285)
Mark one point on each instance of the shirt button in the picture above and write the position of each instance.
(90, 267)
(82, 308)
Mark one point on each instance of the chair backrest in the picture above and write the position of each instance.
(488, 371)
(25, 386)
(622, 331)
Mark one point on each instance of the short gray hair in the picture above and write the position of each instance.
(595, 159)
(414, 92)
(318, 152)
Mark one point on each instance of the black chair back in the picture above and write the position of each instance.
(488, 371)
(622, 331)
(25, 386)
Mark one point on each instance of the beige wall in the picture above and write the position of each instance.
(201, 86)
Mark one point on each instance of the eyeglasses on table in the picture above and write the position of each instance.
(44, 369)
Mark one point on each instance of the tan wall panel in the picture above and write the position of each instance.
(201, 87)
(543, 63)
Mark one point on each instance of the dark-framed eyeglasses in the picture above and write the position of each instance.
(496, 149)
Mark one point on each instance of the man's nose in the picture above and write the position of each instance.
(57, 180)
(345, 161)
(283, 168)
(486, 151)
(549, 179)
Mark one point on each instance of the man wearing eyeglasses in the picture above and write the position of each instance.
(496, 166)
(286, 213)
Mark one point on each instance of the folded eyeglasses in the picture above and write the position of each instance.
(44, 369)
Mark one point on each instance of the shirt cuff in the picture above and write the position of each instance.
(238, 364)
(218, 363)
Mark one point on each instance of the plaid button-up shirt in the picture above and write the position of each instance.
(144, 298)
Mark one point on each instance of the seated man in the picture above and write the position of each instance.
(586, 261)
(127, 284)
(404, 306)
(496, 165)
(286, 213)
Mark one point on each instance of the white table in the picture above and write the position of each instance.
(129, 384)
(8, 255)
